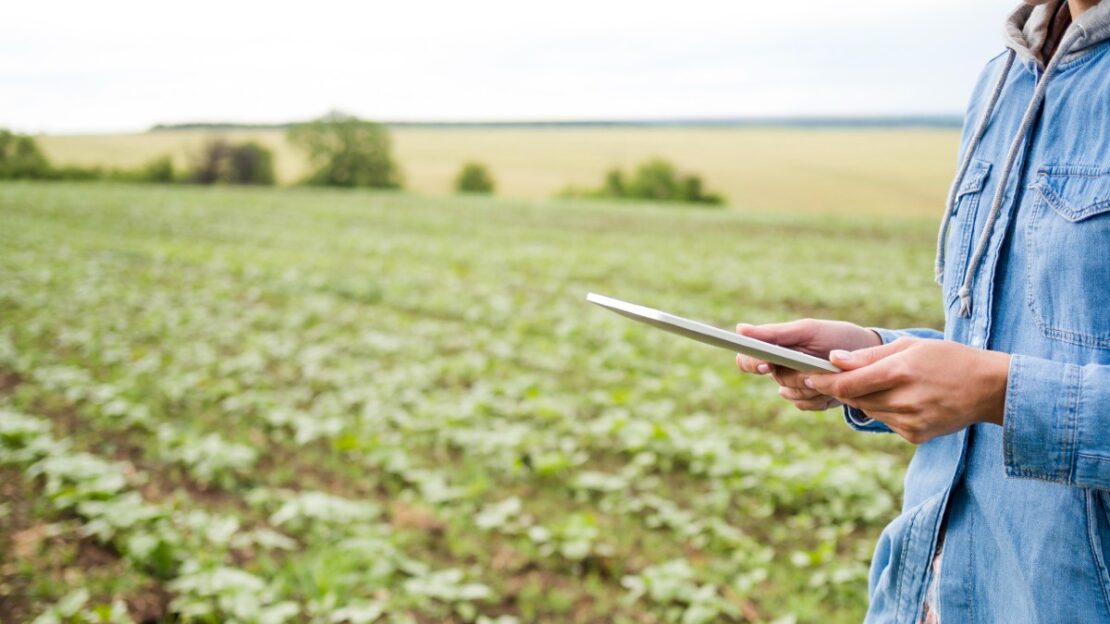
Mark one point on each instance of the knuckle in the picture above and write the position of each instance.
(904, 405)
(903, 371)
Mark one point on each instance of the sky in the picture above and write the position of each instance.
(76, 67)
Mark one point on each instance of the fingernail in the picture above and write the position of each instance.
(840, 354)
(808, 382)
(763, 368)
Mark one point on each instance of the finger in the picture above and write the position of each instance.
(816, 405)
(800, 394)
(789, 378)
(888, 402)
(752, 365)
(851, 360)
(849, 385)
(786, 334)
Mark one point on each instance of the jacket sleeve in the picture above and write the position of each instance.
(1056, 424)
(855, 418)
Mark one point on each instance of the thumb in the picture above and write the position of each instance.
(851, 360)
(785, 334)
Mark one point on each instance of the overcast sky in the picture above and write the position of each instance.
(118, 66)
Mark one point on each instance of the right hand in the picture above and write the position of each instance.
(811, 336)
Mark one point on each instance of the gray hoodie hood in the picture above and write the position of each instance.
(1027, 28)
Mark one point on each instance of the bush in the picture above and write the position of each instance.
(21, 158)
(655, 179)
(474, 178)
(614, 184)
(221, 162)
(158, 170)
(76, 173)
(347, 151)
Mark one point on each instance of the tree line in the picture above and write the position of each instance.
(341, 151)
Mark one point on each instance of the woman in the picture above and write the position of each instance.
(1006, 515)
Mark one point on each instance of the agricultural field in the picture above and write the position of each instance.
(302, 405)
(826, 171)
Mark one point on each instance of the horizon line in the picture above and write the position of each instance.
(815, 121)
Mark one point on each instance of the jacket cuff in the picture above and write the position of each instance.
(862, 422)
(1039, 434)
(889, 335)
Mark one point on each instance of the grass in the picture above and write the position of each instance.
(352, 406)
(901, 172)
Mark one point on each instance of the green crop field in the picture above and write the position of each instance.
(901, 172)
(301, 405)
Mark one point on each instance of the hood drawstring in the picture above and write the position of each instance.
(1011, 158)
(972, 146)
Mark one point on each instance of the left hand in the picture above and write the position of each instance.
(919, 388)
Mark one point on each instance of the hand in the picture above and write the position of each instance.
(810, 336)
(921, 389)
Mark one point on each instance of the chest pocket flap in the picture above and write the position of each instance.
(1075, 193)
(975, 178)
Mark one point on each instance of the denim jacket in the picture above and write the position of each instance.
(1025, 269)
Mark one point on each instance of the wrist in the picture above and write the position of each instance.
(997, 372)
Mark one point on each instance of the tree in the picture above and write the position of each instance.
(474, 178)
(347, 151)
(21, 158)
(209, 166)
(221, 162)
(250, 163)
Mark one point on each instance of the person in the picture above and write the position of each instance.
(1006, 516)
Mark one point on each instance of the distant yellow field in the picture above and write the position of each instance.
(857, 171)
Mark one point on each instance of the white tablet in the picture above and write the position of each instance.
(708, 334)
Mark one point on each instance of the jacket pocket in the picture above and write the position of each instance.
(1098, 530)
(965, 211)
(1068, 254)
(900, 562)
